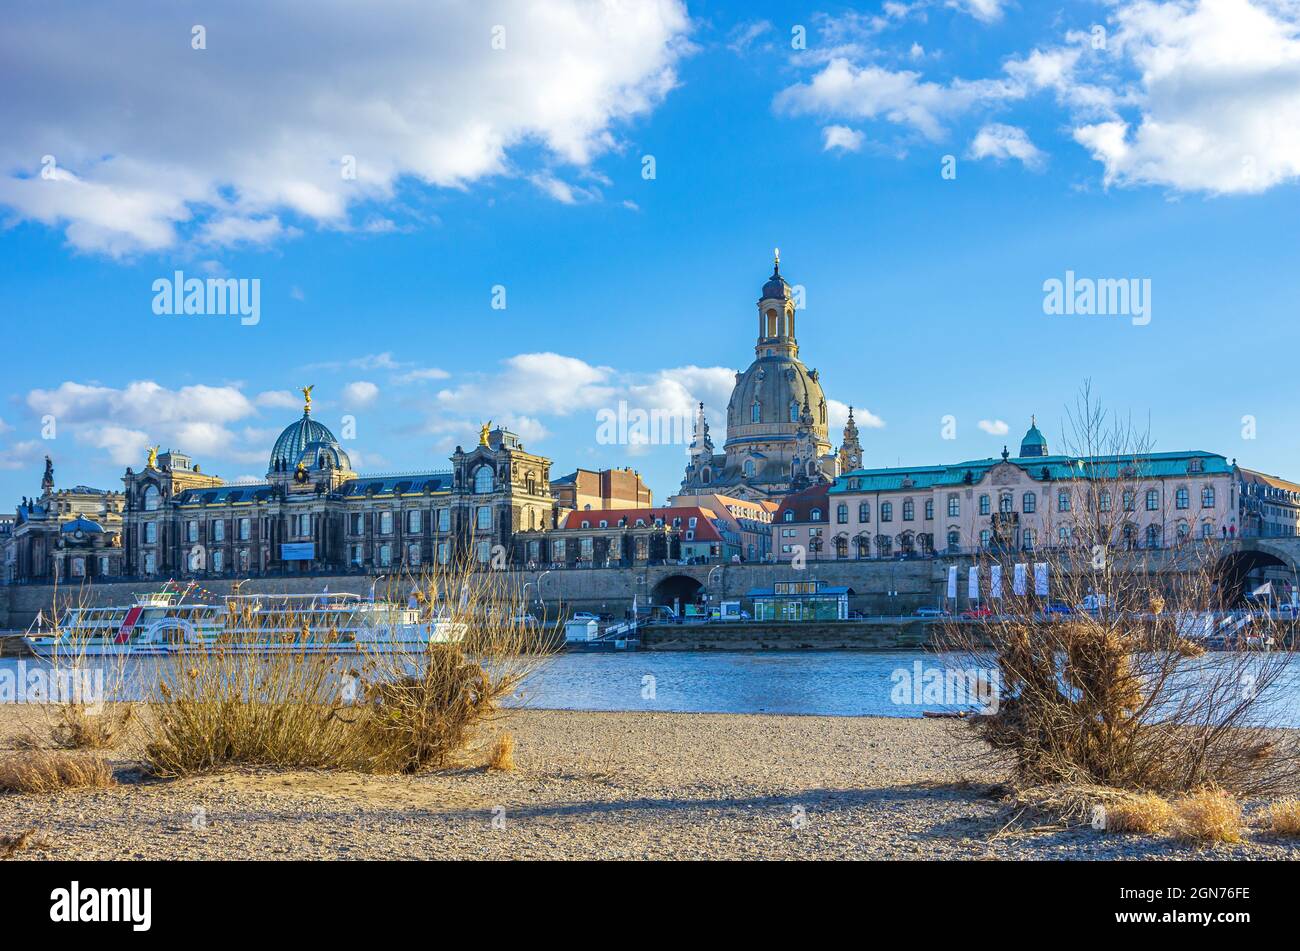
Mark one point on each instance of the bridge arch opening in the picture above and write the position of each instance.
(1240, 572)
(677, 591)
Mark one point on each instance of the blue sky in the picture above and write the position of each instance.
(1167, 153)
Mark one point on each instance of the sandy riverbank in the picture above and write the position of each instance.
(597, 785)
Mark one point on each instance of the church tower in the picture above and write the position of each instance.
(851, 448)
(776, 317)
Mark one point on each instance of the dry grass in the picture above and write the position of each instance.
(1284, 817)
(381, 712)
(50, 771)
(11, 845)
(502, 756)
(1144, 814)
(78, 729)
(1210, 815)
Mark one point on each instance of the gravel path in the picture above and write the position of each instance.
(599, 785)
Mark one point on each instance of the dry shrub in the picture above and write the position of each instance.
(75, 728)
(1122, 692)
(217, 707)
(502, 756)
(1210, 815)
(51, 771)
(1284, 817)
(1145, 814)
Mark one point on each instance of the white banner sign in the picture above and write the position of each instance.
(1040, 578)
(1018, 579)
(973, 585)
(952, 581)
(995, 581)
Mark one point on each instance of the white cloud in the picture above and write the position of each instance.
(903, 97)
(998, 141)
(1217, 96)
(994, 427)
(155, 142)
(841, 137)
(986, 11)
(743, 36)
(837, 414)
(277, 399)
(359, 394)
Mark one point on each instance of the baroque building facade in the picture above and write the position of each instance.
(64, 534)
(314, 513)
(777, 418)
(1024, 502)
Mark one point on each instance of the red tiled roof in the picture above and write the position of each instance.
(802, 503)
(704, 528)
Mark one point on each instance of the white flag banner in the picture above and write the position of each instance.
(973, 585)
(952, 581)
(995, 581)
(1040, 578)
(1018, 579)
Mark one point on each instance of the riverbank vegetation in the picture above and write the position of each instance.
(1104, 679)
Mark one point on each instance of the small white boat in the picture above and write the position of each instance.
(163, 623)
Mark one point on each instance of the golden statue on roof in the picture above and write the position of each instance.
(306, 395)
(483, 433)
(153, 457)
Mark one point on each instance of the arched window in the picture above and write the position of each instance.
(816, 515)
(1153, 536)
(841, 547)
(1207, 497)
(756, 412)
(151, 498)
(789, 516)
(1004, 504)
(749, 468)
(954, 540)
(706, 476)
(482, 480)
(794, 411)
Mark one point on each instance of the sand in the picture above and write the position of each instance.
(598, 785)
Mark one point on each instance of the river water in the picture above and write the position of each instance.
(832, 683)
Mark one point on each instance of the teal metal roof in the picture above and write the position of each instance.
(1043, 468)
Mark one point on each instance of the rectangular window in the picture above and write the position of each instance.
(385, 523)
(385, 556)
(1063, 502)
(886, 511)
(219, 532)
(357, 554)
(444, 520)
(150, 533)
(954, 506)
(1029, 503)
(484, 522)
(929, 510)
(442, 553)
(413, 522)
(1153, 500)
(150, 563)
(984, 505)
(245, 529)
(191, 531)
(1207, 497)
(558, 549)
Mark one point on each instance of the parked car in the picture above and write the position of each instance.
(975, 613)
(585, 616)
(931, 612)
(1058, 607)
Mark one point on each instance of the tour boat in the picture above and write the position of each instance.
(164, 623)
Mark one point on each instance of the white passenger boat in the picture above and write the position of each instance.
(164, 623)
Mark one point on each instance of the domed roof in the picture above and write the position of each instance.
(83, 524)
(1034, 443)
(776, 286)
(776, 383)
(297, 438)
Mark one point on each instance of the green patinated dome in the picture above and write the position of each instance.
(303, 435)
(1034, 443)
